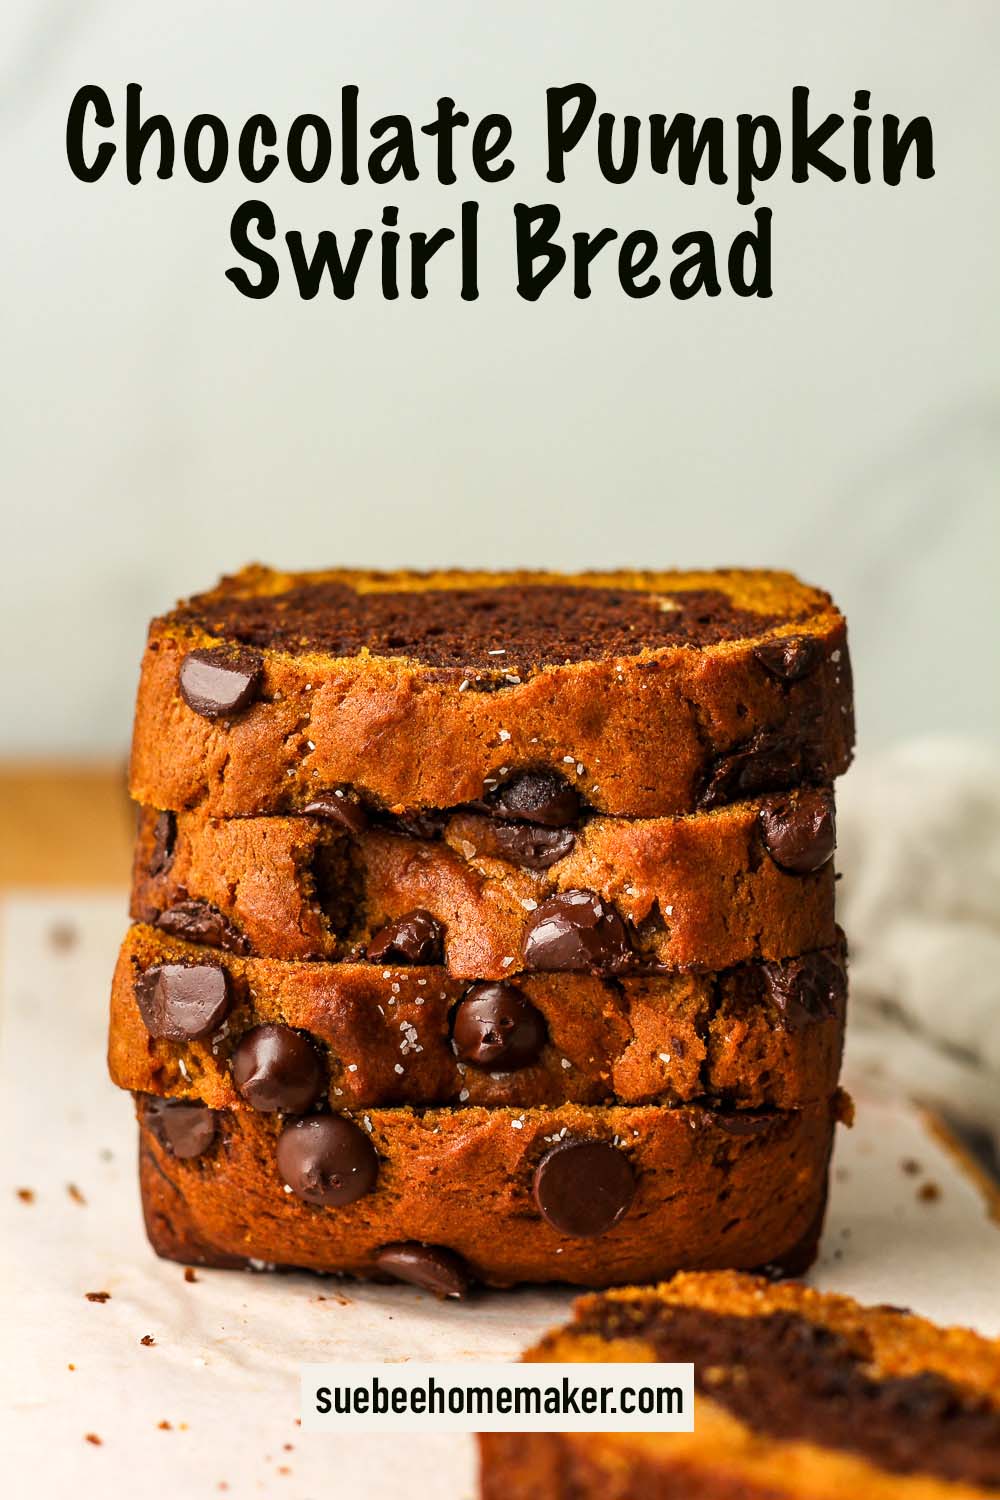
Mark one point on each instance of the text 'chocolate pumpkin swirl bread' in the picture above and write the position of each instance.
(798, 1396)
(651, 693)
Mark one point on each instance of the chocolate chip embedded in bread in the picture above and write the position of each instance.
(183, 1129)
(220, 682)
(277, 1068)
(416, 938)
(200, 922)
(800, 833)
(327, 1160)
(338, 807)
(183, 1002)
(577, 931)
(791, 658)
(769, 763)
(583, 1187)
(426, 823)
(536, 796)
(164, 840)
(805, 990)
(430, 1267)
(496, 1026)
(533, 847)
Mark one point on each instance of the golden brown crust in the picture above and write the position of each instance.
(384, 1036)
(641, 734)
(463, 1179)
(696, 891)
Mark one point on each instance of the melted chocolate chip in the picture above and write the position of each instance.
(182, 1129)
(276, 1068)
(791, 658)
(430, 1267)
(805, 990)
(339, 808)
(325, 1159)
(496, 1026)
(574, 932)
(416, 938)
(164, 840)
(220, 682)
(583, 1187)
(533, 847)
(800, 833)
(426, 824)
(535, 796)
(768, 763)
(200, 922)
(183, 1002)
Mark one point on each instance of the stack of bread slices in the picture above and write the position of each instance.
(484, 924)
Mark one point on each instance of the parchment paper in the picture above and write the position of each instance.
(905, 1226)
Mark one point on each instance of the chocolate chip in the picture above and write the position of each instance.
(220, 682)
(164, 840)
(431, 1267)
(768, 763)
(276, 1068)
(337, 807)
(182, 1002)
(200, 922)
(805, 990)
(576, 931)
(426, 824)
(325, 1159)
(182, 1129)
(496, 1026)
(417, 938)
(534, 848)
(583, 1187)
(800, 833)
(791, 658)
(537, 796)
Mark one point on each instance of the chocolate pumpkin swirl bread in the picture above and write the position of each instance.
(484, 924)
(753, 880)
(571, 1193)
(799, 1396)
(189, 1023)
(651, 694)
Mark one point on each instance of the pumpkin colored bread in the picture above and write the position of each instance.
(652, 693)
(798, 1396)
(701, 891)
(585, 1195)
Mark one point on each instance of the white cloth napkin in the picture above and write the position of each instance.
(919, 852)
